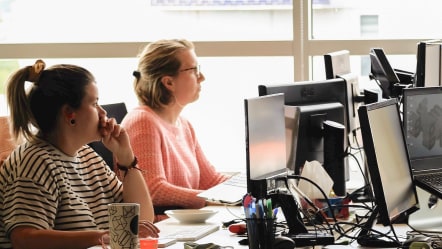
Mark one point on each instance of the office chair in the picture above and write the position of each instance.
(7, 144)
(117, 111)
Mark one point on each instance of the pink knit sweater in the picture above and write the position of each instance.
(174, 165)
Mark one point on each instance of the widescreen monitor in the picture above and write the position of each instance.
(389, 167)
(383, 73)
(318, 101)
(265, 141)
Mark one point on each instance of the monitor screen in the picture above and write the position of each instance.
(265, 139)
(388, 161)
(383, 73)
(318, 101)
(422, 118)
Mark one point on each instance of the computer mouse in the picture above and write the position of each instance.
(282, 242)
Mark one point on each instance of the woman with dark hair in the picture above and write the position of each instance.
(54, 188)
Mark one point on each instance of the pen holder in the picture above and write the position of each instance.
(261, 232)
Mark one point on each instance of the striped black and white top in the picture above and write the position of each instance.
(42, 187)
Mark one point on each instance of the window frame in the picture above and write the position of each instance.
(301, 48)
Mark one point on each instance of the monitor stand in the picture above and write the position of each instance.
(366, 238)
(297, 230)
(291, 212)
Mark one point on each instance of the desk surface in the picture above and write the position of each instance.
(224, 237)
(221, 237)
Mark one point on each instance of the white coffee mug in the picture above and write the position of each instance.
(123, 225)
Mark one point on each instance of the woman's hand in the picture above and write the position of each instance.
(115, 138)
(147, 229)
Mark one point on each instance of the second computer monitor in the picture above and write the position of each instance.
(318, 101)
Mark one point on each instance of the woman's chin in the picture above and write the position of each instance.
(97, 138)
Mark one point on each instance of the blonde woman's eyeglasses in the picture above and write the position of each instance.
(197, 70)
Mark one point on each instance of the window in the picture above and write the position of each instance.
(240, 45)
(48, 21)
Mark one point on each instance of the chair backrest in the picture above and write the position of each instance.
(117, 111)
(6, 142)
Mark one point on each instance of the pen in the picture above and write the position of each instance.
(275, 212)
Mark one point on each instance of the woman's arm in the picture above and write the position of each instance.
(25, 237)
(156, 153)
(135, 190)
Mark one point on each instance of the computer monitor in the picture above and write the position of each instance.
(318, 101)
(265, 122)
(389, 168)
(428, 64)
(337, 65)
(383, 73)
(265, 142)
(422, 113)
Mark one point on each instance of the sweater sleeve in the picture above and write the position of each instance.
(161, 168)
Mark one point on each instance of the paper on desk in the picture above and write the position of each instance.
(314, 171)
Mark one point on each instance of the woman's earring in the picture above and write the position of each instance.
(72, 121)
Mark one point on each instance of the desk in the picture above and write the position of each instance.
(223, 237)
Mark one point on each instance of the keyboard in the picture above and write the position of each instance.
(435, 179)
(311, 239)
(190, 232)
(230, 191)
(239, 180)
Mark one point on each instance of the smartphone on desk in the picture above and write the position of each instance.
(162, 243)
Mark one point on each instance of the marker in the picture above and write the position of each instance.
(261, 212)
(269, 208)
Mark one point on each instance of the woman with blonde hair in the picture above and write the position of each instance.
(167, 79)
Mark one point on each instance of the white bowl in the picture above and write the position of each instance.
(190, 215)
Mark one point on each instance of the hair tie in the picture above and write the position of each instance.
(35, 71)
(136, 74)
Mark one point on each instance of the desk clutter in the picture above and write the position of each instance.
(265, 228)
(262, 232)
